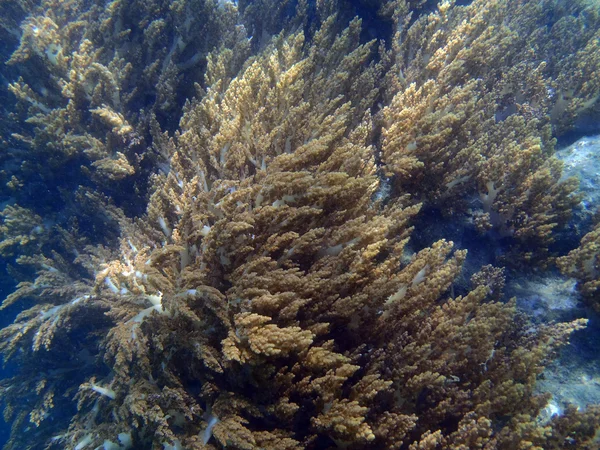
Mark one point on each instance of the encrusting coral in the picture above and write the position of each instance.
(267, 299)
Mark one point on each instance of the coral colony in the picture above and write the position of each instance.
(208, 211)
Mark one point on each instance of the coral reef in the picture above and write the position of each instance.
(92, 77)
(583, 264)
(266, 297)
(473, 94)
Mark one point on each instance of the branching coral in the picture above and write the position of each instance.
(267, 299)
(469, 110)
(583, 263)
(92, 78)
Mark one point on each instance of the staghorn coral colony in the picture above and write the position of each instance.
(208, 210)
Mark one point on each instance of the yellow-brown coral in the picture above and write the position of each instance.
(267, 297)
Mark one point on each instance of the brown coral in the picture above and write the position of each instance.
(266, 299)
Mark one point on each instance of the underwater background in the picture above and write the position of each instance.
(299, 224)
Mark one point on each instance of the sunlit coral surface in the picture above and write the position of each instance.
(215, 221)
